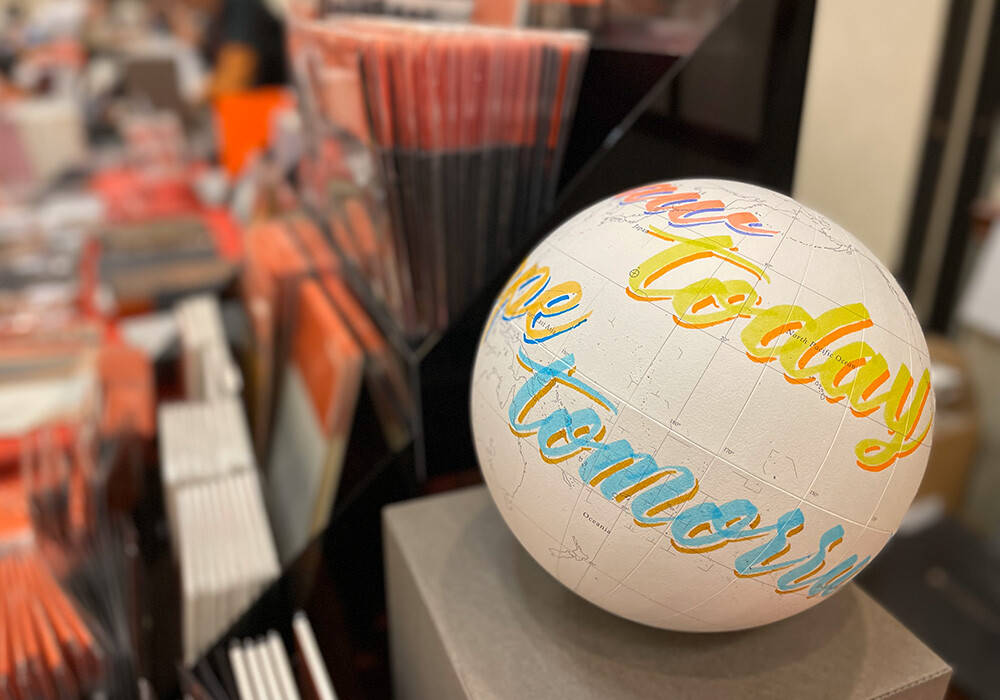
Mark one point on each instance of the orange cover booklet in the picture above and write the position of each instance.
(385, 378)
(315, 411)
(274, 267)
(129, 390)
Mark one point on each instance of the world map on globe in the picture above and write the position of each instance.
(701, 405)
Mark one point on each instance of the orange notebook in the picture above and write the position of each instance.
(315, 411)
(385, 377)
(274, 268)
(129, 393)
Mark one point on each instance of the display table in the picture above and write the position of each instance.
(472, 615)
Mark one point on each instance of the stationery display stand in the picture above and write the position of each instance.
(472, 615)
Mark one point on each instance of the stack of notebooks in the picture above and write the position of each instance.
(68, 572)
(437, 149)
(215, 507)
(226, 553)
(46, 648)
(49, 376)
(160, 241)
(262, 669)
(201, 441)
(208, 368)
(315, 351)
(159, 255)
(218, 522)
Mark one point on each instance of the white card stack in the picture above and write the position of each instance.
(226, 552)
(209, 369)
(262, 669)
(201, 441)
(215, 509)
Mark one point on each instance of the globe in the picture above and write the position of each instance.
(701, 405)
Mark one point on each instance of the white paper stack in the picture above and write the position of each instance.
(262, 669)
(226, 552)
(209, 369)
(215, 509)
(201, 441)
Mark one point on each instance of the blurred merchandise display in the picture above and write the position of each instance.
(434, 150)
(239, 308)
(45, 138)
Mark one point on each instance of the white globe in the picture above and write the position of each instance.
(702, 406)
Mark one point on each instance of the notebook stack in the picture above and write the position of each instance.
(263, 669)
(209, 370)
(212, 492)
(215, 509)
(437, 149)
(226, 553)
(201, 441)
(46, 650)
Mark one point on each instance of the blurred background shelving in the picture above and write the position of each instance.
(345, 236)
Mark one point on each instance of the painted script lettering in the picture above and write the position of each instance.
(659, 493)
(828, 348)
(689, 209)
(528, 296)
